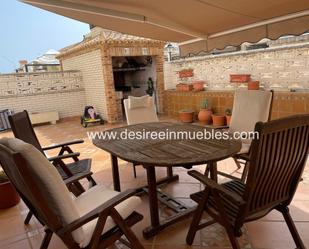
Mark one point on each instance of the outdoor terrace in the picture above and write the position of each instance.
(270, 232)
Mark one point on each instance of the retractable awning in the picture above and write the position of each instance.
(195, 24)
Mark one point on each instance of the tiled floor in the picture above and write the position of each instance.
(267, 233)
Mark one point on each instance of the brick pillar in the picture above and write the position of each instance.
(160, 80)
(112, 109)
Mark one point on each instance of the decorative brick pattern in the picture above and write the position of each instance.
(284, 103)
(39, 83)
(41, 92)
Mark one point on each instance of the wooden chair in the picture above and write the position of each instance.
(277, 160)
(78, 169)
(249, 107)
(140, 110)
(95, 219)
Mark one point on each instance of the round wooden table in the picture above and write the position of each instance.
(150, 151)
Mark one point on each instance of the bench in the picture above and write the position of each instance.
(44, 117)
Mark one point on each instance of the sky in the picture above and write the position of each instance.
(28, 32)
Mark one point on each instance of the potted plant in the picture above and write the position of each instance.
(218, 120)
(8, 194)
(186, 115)
(204, 115)
(228, 115)
(150, 88)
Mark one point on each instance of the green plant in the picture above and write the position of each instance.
(228, 112)
(205, 104)
(3, 177)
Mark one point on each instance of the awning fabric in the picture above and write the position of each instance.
(195, 24)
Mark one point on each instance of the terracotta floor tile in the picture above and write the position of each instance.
(275, 235)
(23, 244)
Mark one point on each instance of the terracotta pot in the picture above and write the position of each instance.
(8, 195)
(228, 119)
(204, 116)
(198, 85)
(182, 87)
(240, 78)
(185, 73)
(253, 85)
(218, 120)
(186, 116)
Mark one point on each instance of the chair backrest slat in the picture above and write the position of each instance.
(277, 159)
(23, 130)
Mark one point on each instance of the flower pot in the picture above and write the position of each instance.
(198, 85)
(185, 73)
(182, 87)
(240, 78)
(204, 116)
(8, 195)
(253, 85)
(186, 116)
(218, 120)
(228, 119)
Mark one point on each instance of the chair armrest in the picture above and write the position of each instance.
(76, 177)
(97, 211)
(64, 156)
(54, 146)
(245, 157)
(215, 186)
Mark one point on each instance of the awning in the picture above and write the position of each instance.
(195, 24)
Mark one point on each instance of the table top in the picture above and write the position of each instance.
(174, 151)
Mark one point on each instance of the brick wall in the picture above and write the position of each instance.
(282, 65)
(90, 65)
(39, 92)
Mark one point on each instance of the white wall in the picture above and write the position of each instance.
(90, 65)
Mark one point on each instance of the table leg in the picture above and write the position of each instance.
(169, 172)
(153, 198)
(157, 225)
(213, 171)
(115, 171)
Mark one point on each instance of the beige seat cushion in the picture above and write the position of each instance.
(144, 113)
(250, 107)
(50, 182)
(60, 199)
(96, 196)
(139, 102)
(244, 148)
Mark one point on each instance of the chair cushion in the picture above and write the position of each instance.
(95, 197)
(65, 205)
(245, 146)
(138, 102)
(250, 107)
(142, 114)
(50, 182)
